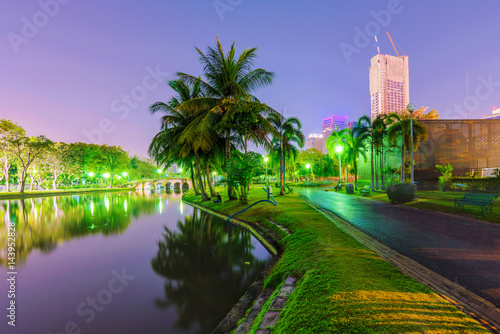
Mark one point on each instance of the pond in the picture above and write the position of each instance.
(122, 263)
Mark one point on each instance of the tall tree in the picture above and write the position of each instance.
(9, 132)
(337, 138)
(175, 143)
(27, 150)
(400, 128)
(288, 132)
(113, 160)
(227, 77)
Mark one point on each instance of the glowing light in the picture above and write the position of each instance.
(106, 203)
(106, 175)
(124, 174)
(125, 207)
(160, 206)
(92, 208)
(338, 148)
(266, 159)
(308, 166)
(90, 174)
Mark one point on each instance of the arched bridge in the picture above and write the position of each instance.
(167, 183)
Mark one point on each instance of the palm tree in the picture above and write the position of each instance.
(379, 129)
(400, 127)
(338, 137)
(356, 147)
(227, 79)
(288, 132)
(364, 128)
(169, 146)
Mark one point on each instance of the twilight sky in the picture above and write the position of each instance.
(88, 70)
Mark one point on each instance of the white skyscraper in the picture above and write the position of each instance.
(389, 84)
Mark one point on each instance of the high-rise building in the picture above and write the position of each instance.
(352, 125)
(389, 84)
(330, 124)
(315, 140)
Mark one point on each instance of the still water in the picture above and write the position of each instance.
(122, 263)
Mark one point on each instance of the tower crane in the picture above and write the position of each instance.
(393, 44)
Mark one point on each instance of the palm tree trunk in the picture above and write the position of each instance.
(282, 169)
(204, 196)
(371, 162)
(192, 180)
(381, 160)
(228, 156)
(355, 174)
(403, 160)
(209, 181)
(376, 168)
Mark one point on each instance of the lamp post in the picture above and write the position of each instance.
(339, 150)
(411, 107)
(265, 159)
(126, 174)
(215, 178)
(308, 166)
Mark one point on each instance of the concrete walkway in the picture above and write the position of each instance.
(465, 251)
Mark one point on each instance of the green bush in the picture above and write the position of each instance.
(486, 184)
(401, 193)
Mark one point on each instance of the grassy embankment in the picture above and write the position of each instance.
(343, 287)
(59, 192)
(443, 202)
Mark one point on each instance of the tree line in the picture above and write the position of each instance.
(47, 164)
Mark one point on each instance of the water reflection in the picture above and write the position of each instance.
(207, 264)
(189, 268)
(42, 223)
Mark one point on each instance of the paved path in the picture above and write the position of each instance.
(464, 250)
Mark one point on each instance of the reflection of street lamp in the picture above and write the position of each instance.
(265, 159)
(339, 150)
(411, 107)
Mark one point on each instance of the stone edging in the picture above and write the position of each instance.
(239, 310)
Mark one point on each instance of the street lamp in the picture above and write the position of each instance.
(411, 107)
(339, 150)
(215, 178)
(265, 159)
(308, 166)
(126, 174)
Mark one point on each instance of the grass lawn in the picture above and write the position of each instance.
(443, 202)
(58, 192)
(343, 287)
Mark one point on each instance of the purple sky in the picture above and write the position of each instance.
(74, 72)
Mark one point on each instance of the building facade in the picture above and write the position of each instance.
(331, 124)
(315, 140)
(389, 84)
(468, 145)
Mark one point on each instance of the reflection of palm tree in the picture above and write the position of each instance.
(205, 269)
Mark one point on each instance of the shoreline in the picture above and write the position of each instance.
(61, 192)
